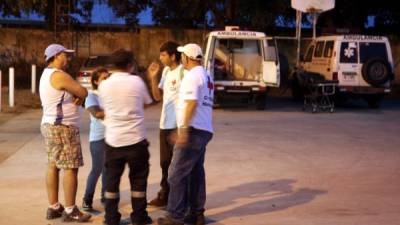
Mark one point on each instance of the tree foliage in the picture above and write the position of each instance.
(128, 9)
(355, 14)
(267, 14)
(180, 13)
(17, 8)
(251, 14)
(218, 13)
(73, 9)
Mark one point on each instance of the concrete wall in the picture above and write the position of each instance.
(29, 44)
(24, 46)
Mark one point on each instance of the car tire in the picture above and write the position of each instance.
(340, 99)
(284, 69)
(376, 71)
(297, 90)
(261, 101)
(374, 100)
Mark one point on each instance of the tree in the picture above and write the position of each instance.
(46, 8)
(252, 14)
(180, 13)
(129, 9)
(260, 15)
(16, 8)
(385, 14)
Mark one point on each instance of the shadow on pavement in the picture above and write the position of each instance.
(277, 195)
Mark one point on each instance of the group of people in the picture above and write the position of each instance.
(118, 134)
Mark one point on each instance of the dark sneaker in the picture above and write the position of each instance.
(105, 223)
(75, 216)
(195, 219)
(54, 213)
(159, 201)
(167, 220)
(147, 220)
(87, 205)
(200, 220)
(116, 223)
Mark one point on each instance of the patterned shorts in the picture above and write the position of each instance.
(63, 145)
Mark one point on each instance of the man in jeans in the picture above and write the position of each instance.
(194, 119)
(124, 96)
(166, 89)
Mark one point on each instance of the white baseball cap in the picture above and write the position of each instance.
(193, 51)
(54, 49)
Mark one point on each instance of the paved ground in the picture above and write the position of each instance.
(279, 166)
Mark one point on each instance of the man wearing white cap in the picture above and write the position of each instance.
(61, 98)
(186, 175)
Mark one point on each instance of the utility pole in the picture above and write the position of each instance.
(62, 20)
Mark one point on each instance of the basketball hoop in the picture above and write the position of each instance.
(313, 6)
(314, 10)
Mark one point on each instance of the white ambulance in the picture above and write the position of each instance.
(244, 64)
(362, 64)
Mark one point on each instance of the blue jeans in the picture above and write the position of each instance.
(186, 176)
(97, 151)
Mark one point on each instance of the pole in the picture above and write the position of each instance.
(298, 35)
(55, 20)
(0, 90)
(11, 86)
(33, 79)
(315, 19)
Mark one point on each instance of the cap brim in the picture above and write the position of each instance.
(197, 59)
(181, 49)
(69, 50)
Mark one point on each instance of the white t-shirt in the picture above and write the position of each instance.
(197, 85)
(169, 83)
(96, 125)
(123, 97)
(58, 105)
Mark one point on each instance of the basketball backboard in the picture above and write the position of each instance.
(308, 6)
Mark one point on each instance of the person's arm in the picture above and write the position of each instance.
(96, 112)
(190, 108)
(152, 74)
(189, 93)
(146, 96)
(62, 81)
(183, 130)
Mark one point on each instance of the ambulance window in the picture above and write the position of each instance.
(309, 54)
(370, 50)
(328, 49)
(238, 59)
(270, 51)
(319, 49)
(348, 52)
